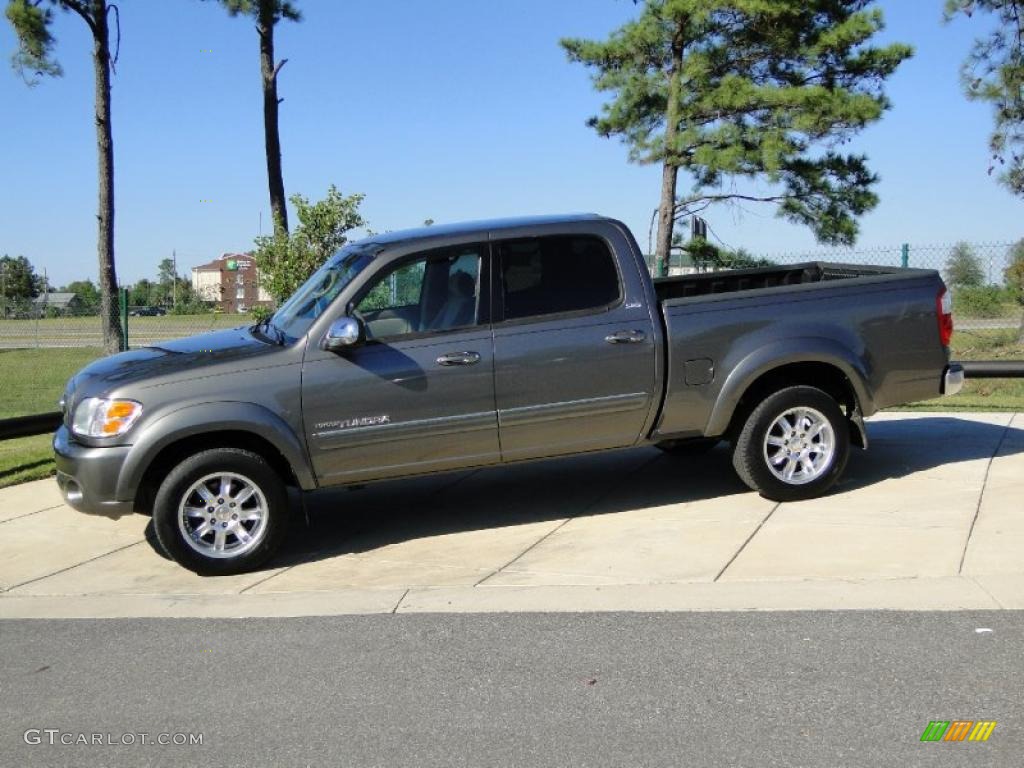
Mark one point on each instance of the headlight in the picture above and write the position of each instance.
(98, 417)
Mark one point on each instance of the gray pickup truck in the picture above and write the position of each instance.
(449, 347)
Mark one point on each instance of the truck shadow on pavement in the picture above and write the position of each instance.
(343, 521)
(903, 447)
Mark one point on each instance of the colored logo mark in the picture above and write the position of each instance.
(958, 730)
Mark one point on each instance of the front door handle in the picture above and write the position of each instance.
(625, 337)
(459, 358)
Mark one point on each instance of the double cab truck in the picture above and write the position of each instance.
(449, 347)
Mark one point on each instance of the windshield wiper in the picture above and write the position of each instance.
(265, 322)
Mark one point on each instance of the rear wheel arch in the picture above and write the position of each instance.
(826, 376)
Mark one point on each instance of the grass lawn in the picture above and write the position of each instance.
(982, 394)
(32, 380)
(24, 459)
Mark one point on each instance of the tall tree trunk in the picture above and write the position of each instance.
(670, 169)
(113, 337)
(272, 138)
(666, 212)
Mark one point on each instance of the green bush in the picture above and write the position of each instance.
(980, 301)
(260, 312)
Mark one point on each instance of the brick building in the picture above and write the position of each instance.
(231, 281)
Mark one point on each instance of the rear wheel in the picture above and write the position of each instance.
(222, 511)
(794, 445)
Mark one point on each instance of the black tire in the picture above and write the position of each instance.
(238, 463)
(695, 447)
(751, 463)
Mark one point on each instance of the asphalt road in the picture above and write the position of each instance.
(722, 689)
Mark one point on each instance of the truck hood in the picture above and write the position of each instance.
(170, 360)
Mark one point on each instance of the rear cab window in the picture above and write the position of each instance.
(555, 275)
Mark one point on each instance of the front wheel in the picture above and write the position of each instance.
(794, 445)
(221, 512)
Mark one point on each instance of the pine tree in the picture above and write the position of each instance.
(994, 72)
(735, 92)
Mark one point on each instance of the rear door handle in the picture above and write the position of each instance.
(459, 358)
(625, 337)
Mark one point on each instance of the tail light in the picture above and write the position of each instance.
(944, 314)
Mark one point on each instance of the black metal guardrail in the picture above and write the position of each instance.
(24, 426)
(993, 369)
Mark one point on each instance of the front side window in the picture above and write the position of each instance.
(436, 292)
(551, 275)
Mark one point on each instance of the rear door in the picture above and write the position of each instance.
(574, 345)
(418, 396)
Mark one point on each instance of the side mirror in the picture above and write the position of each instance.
(344, 332)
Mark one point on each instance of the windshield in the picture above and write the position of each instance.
(297, 314)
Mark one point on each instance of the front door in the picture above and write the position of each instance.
(418, 396)
(575, 360)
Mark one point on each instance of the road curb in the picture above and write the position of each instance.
(935, 594)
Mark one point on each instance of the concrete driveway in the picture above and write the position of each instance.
(932, 517)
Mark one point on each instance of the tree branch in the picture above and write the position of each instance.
(81, 10)
(684, 205)
(277, 69)
(117, 25)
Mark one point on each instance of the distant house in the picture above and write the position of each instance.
(64, 302)
(232, 282)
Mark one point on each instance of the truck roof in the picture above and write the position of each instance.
(481, 225)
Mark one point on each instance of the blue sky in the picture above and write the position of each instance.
(452, 110)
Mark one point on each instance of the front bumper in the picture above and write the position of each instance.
(953, 379)
(87, 476)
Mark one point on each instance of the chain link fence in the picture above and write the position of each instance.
(44, 326)
(983, 298)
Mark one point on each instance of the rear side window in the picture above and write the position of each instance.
(550, 275)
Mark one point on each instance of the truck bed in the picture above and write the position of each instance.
(732, 281)
(876, 325)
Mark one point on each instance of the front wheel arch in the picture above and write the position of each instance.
(177, 451)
